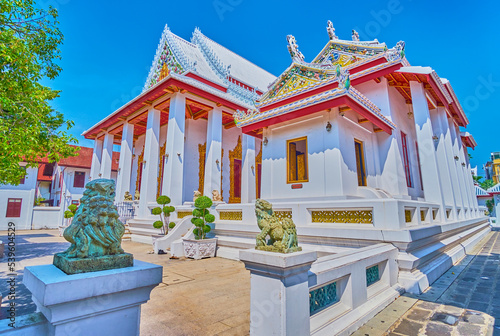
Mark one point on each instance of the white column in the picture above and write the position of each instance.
(150, 163)
(428, 163)
(279, 292)
(107, 156)
(125, 164)
(213, 158)
(173, 173)
(95, 168)
(248, 169)
(442, 159)
(475, 205)
(458, 166)
(465, 172)
(448, 141)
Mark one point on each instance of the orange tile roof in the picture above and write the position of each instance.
(84, 159)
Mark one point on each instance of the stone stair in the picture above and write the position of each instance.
(142, 229)
(127, 235)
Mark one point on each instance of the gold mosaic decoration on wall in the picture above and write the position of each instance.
(283, 214)
(422, 215)
(182, 214)
(139, 161)
(231, 215)
(160, 170)
(202, 150)
(258, 161)
(234, 154)
(407, 216)
(343, 216)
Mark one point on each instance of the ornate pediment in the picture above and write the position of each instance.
(295, 79)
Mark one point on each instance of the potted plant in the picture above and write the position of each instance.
(201, 247)
(164, 212)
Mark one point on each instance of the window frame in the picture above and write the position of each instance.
(406, 160)
(80, 173)
(306, 161)
(14, 199)
(362, 164)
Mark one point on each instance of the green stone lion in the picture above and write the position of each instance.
(96, 230)
(282, 232)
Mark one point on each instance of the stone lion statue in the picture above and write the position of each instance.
(127, 197)
(95, 230)
(282, 232)
(216, 196)
(196, 194)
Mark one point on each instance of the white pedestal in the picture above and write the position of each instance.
(96, 303)
(279, 296)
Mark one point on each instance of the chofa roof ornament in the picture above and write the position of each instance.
(331, 31)
(355, 35)
(293, 49)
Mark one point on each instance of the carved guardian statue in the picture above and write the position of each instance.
(282, 232)
(95, 233)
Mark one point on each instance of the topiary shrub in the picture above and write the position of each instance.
(164, 212)
(202, 216)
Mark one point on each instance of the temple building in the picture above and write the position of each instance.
(358, 147)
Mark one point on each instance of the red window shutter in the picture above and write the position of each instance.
(14, 207)
(79, 181)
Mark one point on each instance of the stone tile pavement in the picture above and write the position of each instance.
(463, 301)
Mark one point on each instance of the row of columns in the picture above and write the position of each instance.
(445, 170)
(173, 173)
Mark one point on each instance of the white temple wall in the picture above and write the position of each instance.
(406, 124)
(392, 177)
(351, 131)
(229, 141)
(196, 134)
(274, 170)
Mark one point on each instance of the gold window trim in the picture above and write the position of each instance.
(362, 163)
(258, 160)
(234, 154)
(160, 170)
(202, 151)
(306, 161)
(139, 161)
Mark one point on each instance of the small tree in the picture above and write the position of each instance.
(164, 212)
(490, 204)
(202, 216)
(70, 213)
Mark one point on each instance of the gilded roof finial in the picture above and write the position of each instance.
(331, 31)
(355, 35)
(293, 48)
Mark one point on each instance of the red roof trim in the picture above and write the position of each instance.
(344, 100)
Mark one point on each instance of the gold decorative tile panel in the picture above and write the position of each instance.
(182, 214)
(283, 214)
(231, 215)
(408, 216)
(343, 216)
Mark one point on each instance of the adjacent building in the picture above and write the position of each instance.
(40, 199)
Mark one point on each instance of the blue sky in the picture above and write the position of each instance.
(109, 46)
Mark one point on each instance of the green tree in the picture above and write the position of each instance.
(29, 128)
(486, 184)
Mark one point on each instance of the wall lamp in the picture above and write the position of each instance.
(265, 141)
(328, 126)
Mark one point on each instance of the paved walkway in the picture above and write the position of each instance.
(464, 301)
(212, 296)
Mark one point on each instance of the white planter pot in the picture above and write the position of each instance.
(197, 249)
